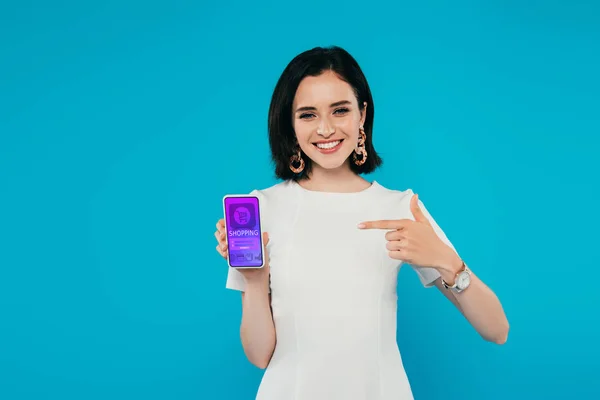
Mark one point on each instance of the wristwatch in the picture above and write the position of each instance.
(462, 280)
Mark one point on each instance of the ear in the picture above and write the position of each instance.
(363, 114)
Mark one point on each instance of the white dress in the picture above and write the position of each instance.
(333, 289)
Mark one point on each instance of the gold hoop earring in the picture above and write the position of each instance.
(296, 162)
(360, 154)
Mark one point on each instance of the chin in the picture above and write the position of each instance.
(330, 162)
(331, 166)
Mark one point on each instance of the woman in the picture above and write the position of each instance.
(321, 315)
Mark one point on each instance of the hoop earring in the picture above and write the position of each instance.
(296, 162)
(360, 154)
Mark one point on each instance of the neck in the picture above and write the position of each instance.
(340, 180)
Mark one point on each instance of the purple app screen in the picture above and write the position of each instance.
(243, 232)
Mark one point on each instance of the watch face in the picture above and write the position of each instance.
(463, 281)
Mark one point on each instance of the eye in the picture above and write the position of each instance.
(306, 115)
(341, 111)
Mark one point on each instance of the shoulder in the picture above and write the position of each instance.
(278, 190)
(396, 195)
(278, 207)
(392, 203)
(276, 200)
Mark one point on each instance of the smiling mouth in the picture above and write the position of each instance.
(328, 145)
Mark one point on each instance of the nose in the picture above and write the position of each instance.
(325, 129)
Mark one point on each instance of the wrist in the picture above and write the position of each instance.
(258, 283)
(451, 265)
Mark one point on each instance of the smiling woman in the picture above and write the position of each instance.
(327, 127)
(321, 314)
(322, 105)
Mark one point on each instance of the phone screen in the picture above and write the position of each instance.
(244, 237)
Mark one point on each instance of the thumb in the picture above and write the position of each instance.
(265, 252)
(416, 210)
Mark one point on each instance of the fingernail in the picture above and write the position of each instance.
(361, 225)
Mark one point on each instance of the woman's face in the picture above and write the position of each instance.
(326, 118)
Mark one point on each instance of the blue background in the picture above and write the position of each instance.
(122, 124)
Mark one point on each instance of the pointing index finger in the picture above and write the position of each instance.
(383, 224)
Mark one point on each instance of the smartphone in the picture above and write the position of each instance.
(243, 231)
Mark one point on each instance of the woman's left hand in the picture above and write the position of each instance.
(415, 242)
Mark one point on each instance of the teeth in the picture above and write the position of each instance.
(328, 145)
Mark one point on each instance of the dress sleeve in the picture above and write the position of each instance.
(429, 275)
(235, 280)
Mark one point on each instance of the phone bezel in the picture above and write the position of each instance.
(260, 228)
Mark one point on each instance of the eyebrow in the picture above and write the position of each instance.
(336, 104)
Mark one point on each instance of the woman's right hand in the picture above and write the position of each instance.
(250, 274)
(257, 329)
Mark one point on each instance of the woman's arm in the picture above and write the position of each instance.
(477, 303)
(419, 243)
(257, 330)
